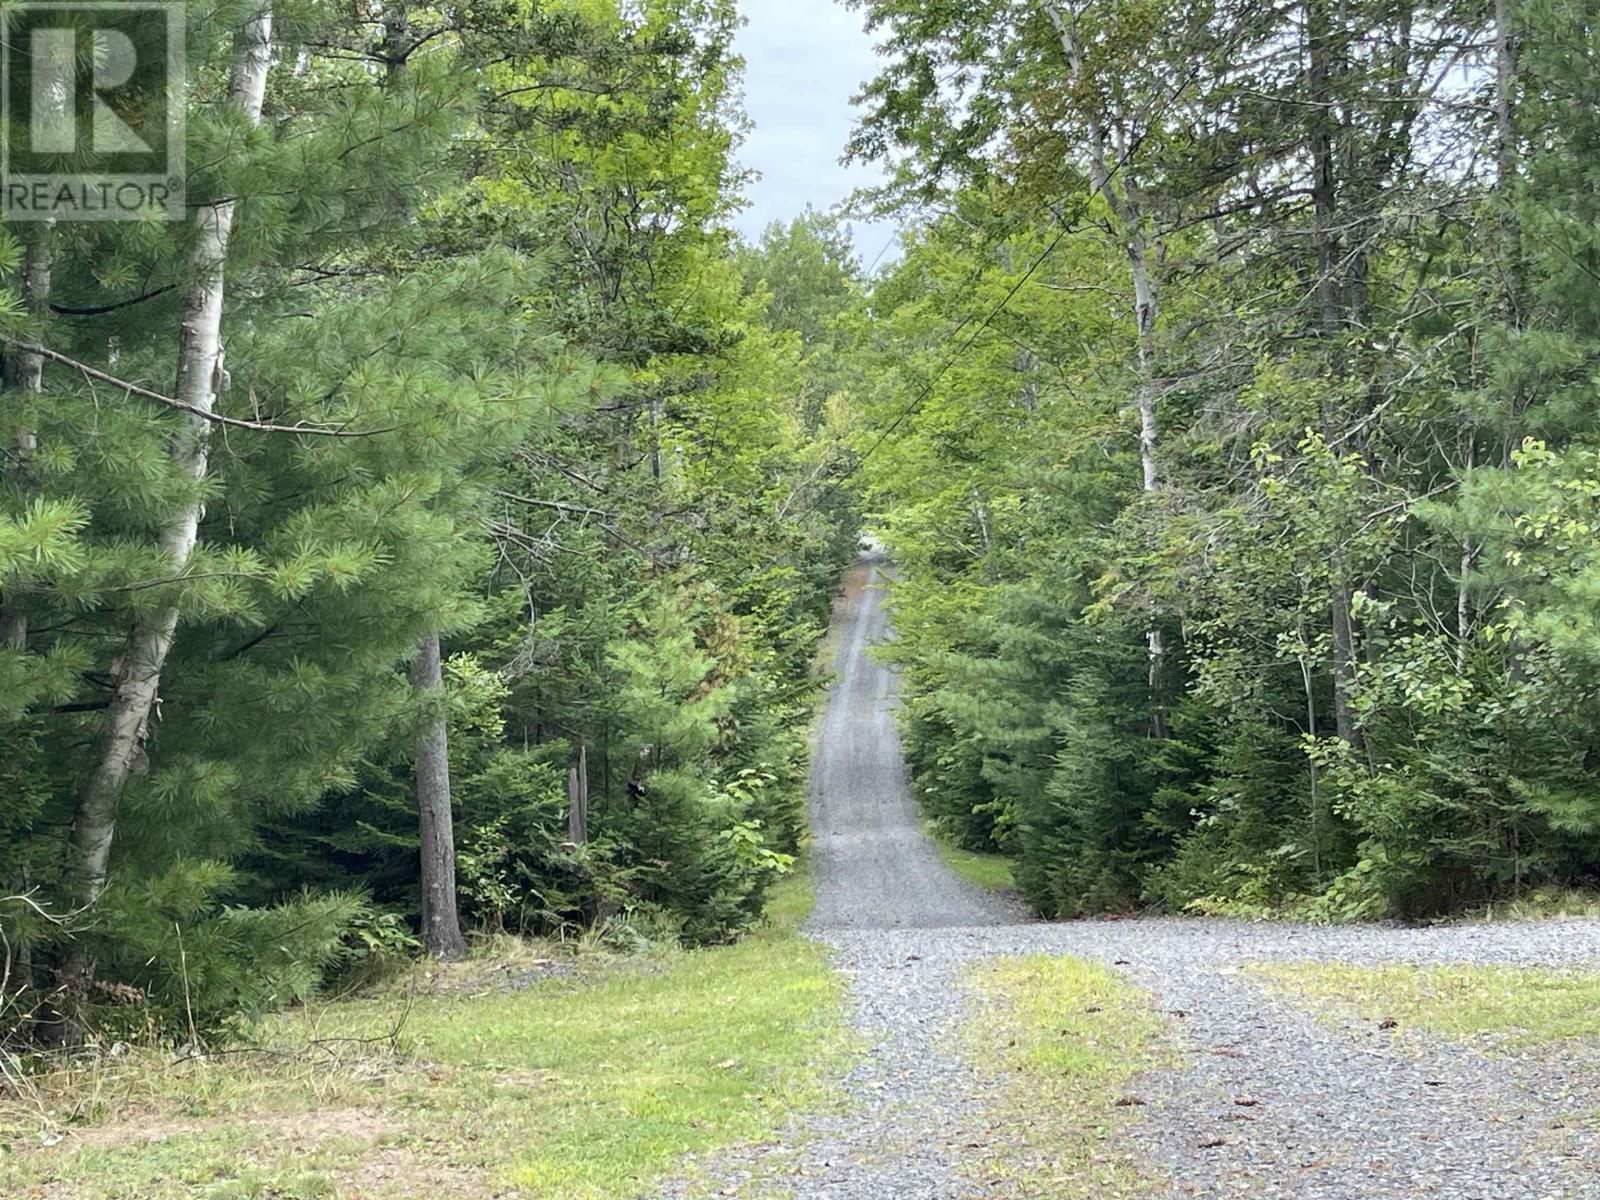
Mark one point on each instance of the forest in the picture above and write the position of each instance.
(1234, 430)
(485, 461)
(1228, 412)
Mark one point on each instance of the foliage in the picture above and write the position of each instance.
(1238, 449)
(488, 246)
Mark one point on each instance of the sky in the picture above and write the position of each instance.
(804, 59)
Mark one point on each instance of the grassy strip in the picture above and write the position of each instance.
(1068, 1039)
(1542, 904)
(580, 1088)
(1510, 1006)
(991, 872)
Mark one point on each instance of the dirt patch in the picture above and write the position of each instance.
(300, 1130)
(401, 1173)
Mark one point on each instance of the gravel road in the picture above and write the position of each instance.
(1341, 1111)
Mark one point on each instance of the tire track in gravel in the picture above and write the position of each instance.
(1334, 1113)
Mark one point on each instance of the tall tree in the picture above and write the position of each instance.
(136, 675)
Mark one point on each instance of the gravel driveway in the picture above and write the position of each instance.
(1339, 1112)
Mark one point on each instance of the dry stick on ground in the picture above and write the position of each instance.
(133, 389)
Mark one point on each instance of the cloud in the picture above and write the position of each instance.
(804, 59)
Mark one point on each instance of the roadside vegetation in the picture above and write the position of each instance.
(1512, 1007)
(1069, 1040)
(475, 589)
(991, 872)
(588, 1080)
(1543, 904)
(1233, 431)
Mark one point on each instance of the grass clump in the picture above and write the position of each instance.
(1071, 1039)
(580, 1086)
(991, 872)
(1543, 904)
(1511, 1006)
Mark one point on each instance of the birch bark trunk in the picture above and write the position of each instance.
(137, 670)
(25, 373)
(1131, 218)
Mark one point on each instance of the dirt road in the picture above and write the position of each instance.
(875, 867)
(1336, 1112)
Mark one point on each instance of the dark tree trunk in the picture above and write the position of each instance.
(1505, 151)
(1333, 315)
(1344, 663)
(441, 924)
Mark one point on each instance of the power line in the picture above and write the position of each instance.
(887, 246)
(926, 392)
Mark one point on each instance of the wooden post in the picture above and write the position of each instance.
(578, 800)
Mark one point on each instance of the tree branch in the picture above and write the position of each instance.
(134, 389)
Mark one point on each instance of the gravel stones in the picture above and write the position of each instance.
(1269, 1101)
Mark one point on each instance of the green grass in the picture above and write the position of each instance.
(1542, 904)
(991, 872)
(1070, 1040)
(577, 1089)
(1507, 1006)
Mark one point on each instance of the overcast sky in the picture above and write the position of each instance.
(804, 60)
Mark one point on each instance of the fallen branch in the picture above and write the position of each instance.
(134, 389)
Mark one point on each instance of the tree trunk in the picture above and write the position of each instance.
(25, 373)
(1505, 128)
(1344, 661)
(441, 925)
(655, 438)
(1469, 556)
(24, 368)
(441, 920)
(1505, 125)
(1332, 321)
(1324, 168)
(578, 800)
(1149, 431)
(136, 672)
(1145, 309)
(1311, 759)
(1130, 216)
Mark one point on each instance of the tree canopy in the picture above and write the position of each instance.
(1229, 415)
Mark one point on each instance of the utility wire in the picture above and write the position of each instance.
(926, 392)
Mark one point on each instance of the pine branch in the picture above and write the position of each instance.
(134, 389)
